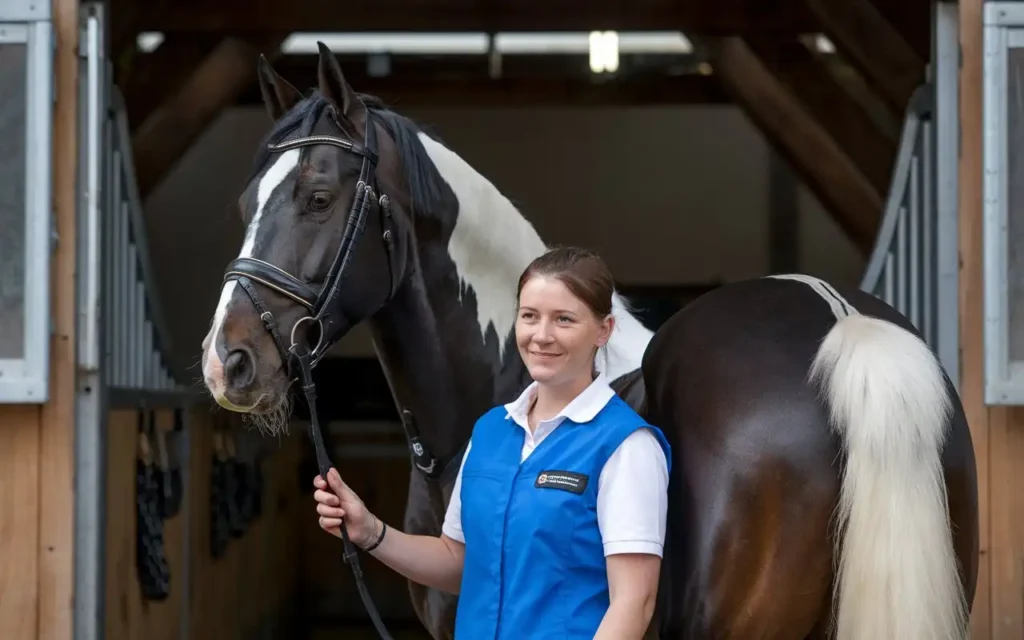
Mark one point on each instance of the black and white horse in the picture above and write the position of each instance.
(823, 474)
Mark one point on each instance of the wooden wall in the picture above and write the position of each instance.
(37, 496)
(238, 595)
(998, 432)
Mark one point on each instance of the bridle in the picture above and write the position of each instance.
(295, 355)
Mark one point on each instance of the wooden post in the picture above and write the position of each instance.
(57, 419)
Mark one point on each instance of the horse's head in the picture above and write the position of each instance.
(325, 243)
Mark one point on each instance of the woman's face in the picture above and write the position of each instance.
(556, 332)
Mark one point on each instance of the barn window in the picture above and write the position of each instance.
(26, 107)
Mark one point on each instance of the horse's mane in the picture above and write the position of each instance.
(424, 182)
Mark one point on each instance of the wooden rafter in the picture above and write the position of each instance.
(214, 84)
(718, 17)
(147, 80)
(551, 80)
(806, 76)
(789, 126)
(534, 92)
(872, 44)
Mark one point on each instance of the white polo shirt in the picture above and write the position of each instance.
(632, 498)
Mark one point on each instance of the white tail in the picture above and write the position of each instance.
(897, 574)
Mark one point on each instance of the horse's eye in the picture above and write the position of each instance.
(320, 201)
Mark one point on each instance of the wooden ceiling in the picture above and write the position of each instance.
(834, 116)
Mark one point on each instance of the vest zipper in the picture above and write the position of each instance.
(501, 563)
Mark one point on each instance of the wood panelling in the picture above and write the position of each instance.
(233, 597)
(128, 614)
(998, 432)
(37, 497)
(20, 510)
(255, 581)
(56, 543)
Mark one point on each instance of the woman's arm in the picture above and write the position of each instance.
(431, 561)
(632, 507)
(633, 585)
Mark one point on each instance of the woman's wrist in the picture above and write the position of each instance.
(376, 533)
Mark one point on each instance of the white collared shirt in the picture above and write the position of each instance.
(632, 493)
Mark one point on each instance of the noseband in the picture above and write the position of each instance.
(320, 304)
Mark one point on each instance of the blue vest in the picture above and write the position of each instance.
(534, 560)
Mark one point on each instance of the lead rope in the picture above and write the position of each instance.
(323, 461)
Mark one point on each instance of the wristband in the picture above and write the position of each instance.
(383, 530)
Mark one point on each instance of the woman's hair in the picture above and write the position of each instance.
(583, 272)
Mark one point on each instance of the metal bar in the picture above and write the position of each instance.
(915, 212)
(146, 353)
(888, 274)
(108, 257)
(897, 190)
(124, 301)
(134, 328)
(139, 344)
(929, 265)
(946, 54)
(127, 398)
(89, 294)
(145, 268)
(900, 255)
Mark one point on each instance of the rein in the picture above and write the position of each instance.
(297, 357)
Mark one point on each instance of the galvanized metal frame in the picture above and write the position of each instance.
(915, 262)
(25, 380)
(945, 75)
(91, 397)
(1003, 30)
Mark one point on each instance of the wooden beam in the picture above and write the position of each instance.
(805, 75)
(170, 130)
(300, 69)
(56, 548)
(988, 425)
(874, 46)
(521, 92)
(147, 80)
(541, 80)
(719, 17)
(825, 168)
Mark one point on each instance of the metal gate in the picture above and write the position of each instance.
(123, 343)
(914, 265)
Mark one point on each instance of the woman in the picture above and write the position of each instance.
(557, 519)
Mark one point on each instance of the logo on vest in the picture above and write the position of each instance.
(564, 480)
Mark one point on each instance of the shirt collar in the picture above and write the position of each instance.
(582, 409)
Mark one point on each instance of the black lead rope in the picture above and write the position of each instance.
(323, 461)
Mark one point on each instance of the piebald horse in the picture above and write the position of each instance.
(823, 478)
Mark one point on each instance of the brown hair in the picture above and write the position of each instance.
(582, 271)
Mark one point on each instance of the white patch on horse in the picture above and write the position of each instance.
(839, 305)
(493, 243)
(270, 181)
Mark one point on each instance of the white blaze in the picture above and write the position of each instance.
(270, 181)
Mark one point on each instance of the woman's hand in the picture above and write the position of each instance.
(335, 500)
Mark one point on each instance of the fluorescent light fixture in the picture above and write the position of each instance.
(148, 41)
(604, 51)
(401, 43)
(471, 43)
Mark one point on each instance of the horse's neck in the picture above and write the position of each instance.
(444, 381)
(447, 338)
(491, 244)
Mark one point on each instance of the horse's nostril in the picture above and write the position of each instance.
(238, 369)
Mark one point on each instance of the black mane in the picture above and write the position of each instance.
(426, 186)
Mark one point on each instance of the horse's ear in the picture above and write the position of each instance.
(334, 87)
(279, 96)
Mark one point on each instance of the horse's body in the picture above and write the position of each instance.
(758, 467)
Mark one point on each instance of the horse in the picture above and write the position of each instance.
(823, 479)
